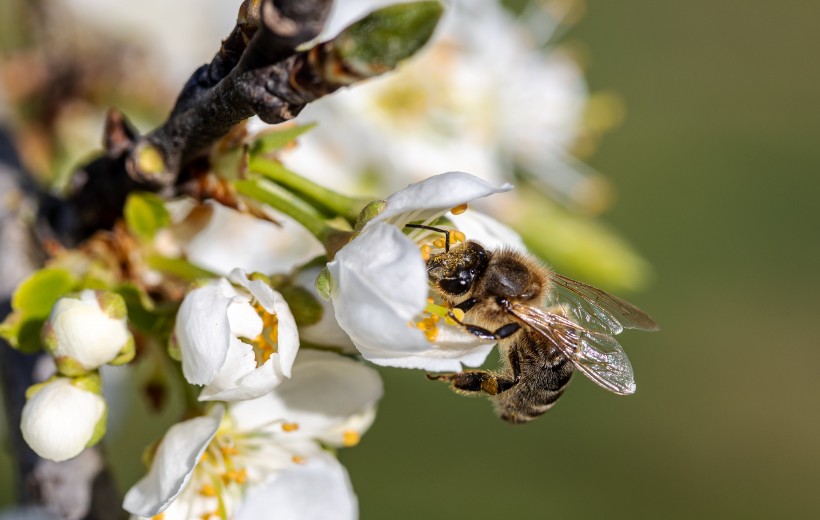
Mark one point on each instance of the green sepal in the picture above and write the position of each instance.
(112, 304)
(99, 428)
(90, 382)
(369, 212)
(275, 139)
(306, 309)
(69, 366)
(174, 352)
(322, 284)
(145, 214)
(127, 353)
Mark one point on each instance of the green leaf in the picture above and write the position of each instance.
(276, 139)
(145, 214)
(388, 35)
(38, 293)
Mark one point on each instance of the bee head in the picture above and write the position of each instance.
(454, 271)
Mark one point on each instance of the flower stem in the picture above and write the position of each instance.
(342, 205)
(280, 199)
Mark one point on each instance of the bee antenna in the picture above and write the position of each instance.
(439, 230)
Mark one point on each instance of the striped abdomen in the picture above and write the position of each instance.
(544, 374)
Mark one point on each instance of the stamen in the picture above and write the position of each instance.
(458, 210)
(350, 438)
(439, 243)
(158, 516)
(207, 491)
(227, 451)
(290, 427)
(425, 251)
(457, 236)
(298, 459)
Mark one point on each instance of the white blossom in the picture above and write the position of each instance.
(482, 97)
(379, 284)
(239, 343)
(87, 330)
(266, 453)
(60, 419)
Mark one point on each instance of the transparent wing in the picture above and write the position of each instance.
(596, 355)
(597, 310)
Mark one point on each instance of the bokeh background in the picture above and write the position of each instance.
(716, 167)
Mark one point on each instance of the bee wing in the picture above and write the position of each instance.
(597, 355)
(598, 310)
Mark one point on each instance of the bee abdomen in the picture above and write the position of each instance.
(522, 410)
(536, 392)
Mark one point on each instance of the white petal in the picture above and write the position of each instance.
(435, 196)
(486, 230)
(59, 420)
(243, 319)
(239, 378)
(177, 456)
(379, 284)
(326, 390)
(203, 331)
(317, 490)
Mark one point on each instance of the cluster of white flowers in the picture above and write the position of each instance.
(272, 412)
(66, 413)
(484, 97)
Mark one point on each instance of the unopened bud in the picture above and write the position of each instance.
(88, 330)
(63, 416)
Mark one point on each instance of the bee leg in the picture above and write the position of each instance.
(477, 381)
(504, 331)
(467, 304)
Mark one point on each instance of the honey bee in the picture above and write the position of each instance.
(547, 325)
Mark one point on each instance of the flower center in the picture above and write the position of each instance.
(266, 343)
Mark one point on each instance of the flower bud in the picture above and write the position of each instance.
(63, 416)
(88, 330)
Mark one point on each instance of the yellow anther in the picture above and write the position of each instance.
(422, 325)
(227, 451)
(207, 491)
(458, 210)
(431, 300)
(290, 426)
(350, 438)
(160, 516)
(439, 243)
(457, 236)
(298, 460)
(431, 334)
(235, 475)
(425, 252)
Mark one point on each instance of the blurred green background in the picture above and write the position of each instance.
(716, 167)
